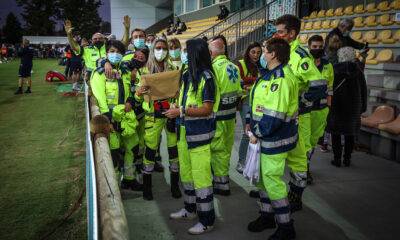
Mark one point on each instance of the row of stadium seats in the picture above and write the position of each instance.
(359, 22)
(372, 37)
(359, 9)
(383, 118)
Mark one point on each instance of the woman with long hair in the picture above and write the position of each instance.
(197, 105)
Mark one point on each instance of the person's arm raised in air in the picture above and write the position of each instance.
(68, 29)
(127, 26)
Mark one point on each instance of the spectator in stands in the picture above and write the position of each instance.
(25, 68)
(174, 47)
(248, 67)
(349, 100)
(224, 12)
(150, 40)
(340, 37)
(181, 27)
(172, 27)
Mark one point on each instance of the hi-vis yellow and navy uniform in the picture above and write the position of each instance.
(228, 83)
(194, 146)
(320, 110)
(312, 87)
(155, 122)
(111, 94)
(90, 55)
(273, 120)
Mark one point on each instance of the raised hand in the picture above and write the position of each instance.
(127, 21)
(68, 27)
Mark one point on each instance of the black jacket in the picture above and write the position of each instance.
(349, 98)
(346, 41)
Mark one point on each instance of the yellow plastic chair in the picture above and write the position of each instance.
(330, 13)
(385, 20)
(303, 38)
(358, 22)
(348, 10)
(323, 35)
(384, 56)
(302, 25)
(371, 8)
(313, 15)
(383, 6)
(371, 57)
(317, 25)
(370, 21)
(339, 11)
(385, 36)
(395, 5)
(357, 36)
(308, 26)
(321, 14)
(397, 35)
(334, 23)
(370, 37)
(326, 24)
(359, 9)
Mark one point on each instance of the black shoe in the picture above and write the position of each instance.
(254, 194)
(336, 162)
(295, 202)
(284, 232)
(19, 91)
(133, 185)
(175, 190)
(158, 167)
(261, 223)
(221, 192)
(310, 179)
(346, 162)
(28, 90)
(147, 191)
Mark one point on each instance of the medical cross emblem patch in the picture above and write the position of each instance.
(233, 74)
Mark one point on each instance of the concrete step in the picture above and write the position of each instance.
(387, 81)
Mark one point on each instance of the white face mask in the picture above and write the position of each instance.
(160, 54)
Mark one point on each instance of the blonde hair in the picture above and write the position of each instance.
(152, 64)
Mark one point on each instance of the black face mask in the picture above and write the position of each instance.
(98, 44)
(317, 53)
(136, 64)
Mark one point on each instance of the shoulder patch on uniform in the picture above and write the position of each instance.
(99, 70)
(233, 73)
(302, 52)
(274, 87)
(304, 66)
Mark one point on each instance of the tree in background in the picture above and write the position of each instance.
(12, 29)
(105, 27)
(39, 16)
(83, 14)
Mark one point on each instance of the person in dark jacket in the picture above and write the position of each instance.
(224, 12)
(26, 53)
(349, 100)
(341, 36)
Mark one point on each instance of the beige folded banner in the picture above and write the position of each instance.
(161, 85)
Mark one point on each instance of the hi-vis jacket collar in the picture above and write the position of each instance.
(294, 45)
(219, 57)
(277, 72)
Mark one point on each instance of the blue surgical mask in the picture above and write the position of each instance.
(263, 62)
(176, 53)
(114, 58)
(149, 45)
(184, 58)
(139, 43)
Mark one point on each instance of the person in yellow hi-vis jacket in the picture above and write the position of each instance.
(197, 107)
(228, 83)
(312, 87)
(319, 111)
(156, 122)
(111, 94)
(272, 120)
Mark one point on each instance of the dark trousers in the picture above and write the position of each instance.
(337, 146)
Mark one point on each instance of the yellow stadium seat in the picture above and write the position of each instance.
(334, 23)
(326, 24)
(385, 55)
(348, 10)
(302, 25)
(370, 21)
(323, 35)
(305, 17)
(385, 36)
(371, 57)
(313, 15)
(397, 35)
(317, 25)
(357, 36)
(385, 20)
(308, 26)
(303, 38)
(370, 37)
(339, 11)
(383, 6)
(395, 5)
(321, 14)
(330, 13)
(358, 22)
(359, 9)
(371, 8)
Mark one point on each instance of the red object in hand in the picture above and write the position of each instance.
(54, 74)
(161, 106)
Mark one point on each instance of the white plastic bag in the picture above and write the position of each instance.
(252, 167)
